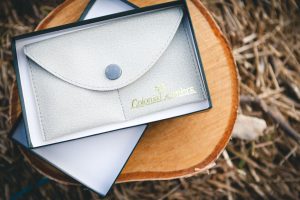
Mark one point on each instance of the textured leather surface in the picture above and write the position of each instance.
(159, 71)
(134, 43)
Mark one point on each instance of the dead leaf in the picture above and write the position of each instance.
(248, 128)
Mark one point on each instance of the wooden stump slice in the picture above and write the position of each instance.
(177, 147)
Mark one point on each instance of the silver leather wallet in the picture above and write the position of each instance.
(115, 71)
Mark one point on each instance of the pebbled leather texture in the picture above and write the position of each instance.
(154, 52)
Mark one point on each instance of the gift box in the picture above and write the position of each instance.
(109, 73)
(178, 96)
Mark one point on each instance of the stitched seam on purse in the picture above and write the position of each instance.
(37, 100)
(122, 105)
(125, 82)
(196, 67)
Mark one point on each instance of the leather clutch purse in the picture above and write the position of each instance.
(115, 71)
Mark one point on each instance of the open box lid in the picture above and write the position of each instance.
(94, 161)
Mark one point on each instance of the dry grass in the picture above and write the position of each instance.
(265, 38)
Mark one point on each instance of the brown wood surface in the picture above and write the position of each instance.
(177, 147)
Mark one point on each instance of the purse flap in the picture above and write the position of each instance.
(134, 43)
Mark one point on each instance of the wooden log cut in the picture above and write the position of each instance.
(177, 147)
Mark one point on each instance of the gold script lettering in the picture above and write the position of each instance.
(162, 94)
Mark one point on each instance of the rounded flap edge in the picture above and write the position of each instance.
(134, 43)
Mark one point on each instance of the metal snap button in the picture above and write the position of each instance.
(113, 72)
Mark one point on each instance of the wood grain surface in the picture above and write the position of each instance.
(177, 147)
